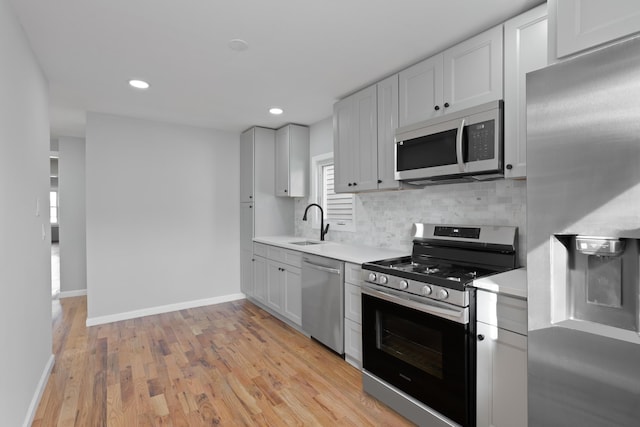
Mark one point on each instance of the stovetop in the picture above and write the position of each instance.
(436, 272)
(450, 256)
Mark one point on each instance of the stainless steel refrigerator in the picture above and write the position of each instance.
(583, 234)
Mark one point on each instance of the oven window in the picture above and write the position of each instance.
(412, 343)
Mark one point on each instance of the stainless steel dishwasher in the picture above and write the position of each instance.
(323, 300)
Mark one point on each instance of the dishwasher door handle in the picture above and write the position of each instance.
(321, 267)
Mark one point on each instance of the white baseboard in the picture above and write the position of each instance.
(93, 321)
(69, 294)
(35, 401)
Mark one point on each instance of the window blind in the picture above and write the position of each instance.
(338, 207)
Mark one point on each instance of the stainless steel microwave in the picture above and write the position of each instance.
(461, 146)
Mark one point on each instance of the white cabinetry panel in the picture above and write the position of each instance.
(387, 125)
(353, 343)
(501, 360)
(292, 161)
(525, 50)
(582, 24)
(473, 71)
(501, 378)
(421, 91)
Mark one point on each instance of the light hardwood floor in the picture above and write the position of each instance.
(230, 364)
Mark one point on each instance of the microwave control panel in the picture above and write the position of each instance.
(481, 141)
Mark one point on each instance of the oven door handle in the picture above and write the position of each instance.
(458, 315)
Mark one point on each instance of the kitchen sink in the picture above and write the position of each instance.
(306, 243)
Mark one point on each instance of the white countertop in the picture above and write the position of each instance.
(345, 252)
(513, 283)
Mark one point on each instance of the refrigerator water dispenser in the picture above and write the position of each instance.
(602, 275)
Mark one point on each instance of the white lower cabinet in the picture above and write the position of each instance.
(501, 362)
(259, 279)
(277, 281)
(275, 285)
(292, 304)
(353, 343)
(353, 315)
(246, 272)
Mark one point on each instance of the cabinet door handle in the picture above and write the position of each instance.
(480, 337)
(349, 184)
(355, 183)
(509, 166)
(285, 190)
(446, 105)
(379, 181)
(437, 108)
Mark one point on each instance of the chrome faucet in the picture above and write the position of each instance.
(323, 230)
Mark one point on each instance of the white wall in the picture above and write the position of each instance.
(25, 255)
(321, 137)
(383, 219)
(71, 216)
(162, 216)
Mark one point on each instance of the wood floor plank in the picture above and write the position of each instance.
(229, 364)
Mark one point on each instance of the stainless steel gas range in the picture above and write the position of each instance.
(418, 320)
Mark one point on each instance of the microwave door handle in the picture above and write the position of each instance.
(459, 146)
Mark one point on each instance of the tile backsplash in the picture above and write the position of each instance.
(383, 219)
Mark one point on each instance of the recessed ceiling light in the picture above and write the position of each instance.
(238, 45)
(139, 84)
(276, 111)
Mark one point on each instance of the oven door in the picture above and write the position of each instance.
(426, 352)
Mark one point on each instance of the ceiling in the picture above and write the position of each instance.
(303, 55)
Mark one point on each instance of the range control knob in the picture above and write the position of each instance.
(372, 277)
(426, 290)
(383, 280)
(403, 284)
(442, 294)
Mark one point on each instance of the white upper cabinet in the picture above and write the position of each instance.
(465, 75)
(421, 91)
(364, 126)
(343, 151)
(387, 124)
(525, 50)
(582, 24)
(473, 71)
(366, 110)
(246, 166)
(292, 161)
(355, 142)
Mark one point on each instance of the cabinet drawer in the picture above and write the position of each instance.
(353, 302)
(502, 311)
(293, 258)
(275, 253)
(352, 273)
(260, 250)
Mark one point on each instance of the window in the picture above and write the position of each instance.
(53, 207)
(339, 209)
